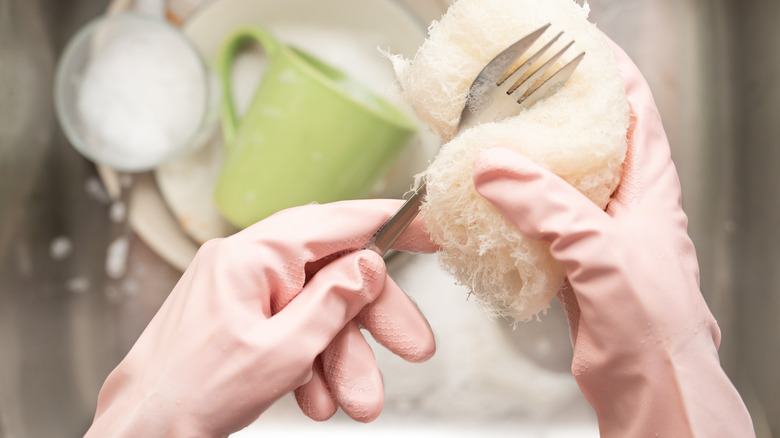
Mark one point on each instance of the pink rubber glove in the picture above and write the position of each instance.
(645, 343)
(251, 317)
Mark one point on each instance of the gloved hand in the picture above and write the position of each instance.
(248, 318)
(645, 343)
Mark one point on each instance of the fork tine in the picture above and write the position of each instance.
(524, 84)
(522, 67)
(552, 83)
(496, 68)
(518, 64)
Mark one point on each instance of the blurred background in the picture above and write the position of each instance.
(64, 323)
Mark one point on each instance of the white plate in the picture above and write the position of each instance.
(174, 211)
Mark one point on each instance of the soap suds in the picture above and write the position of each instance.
(142, 97)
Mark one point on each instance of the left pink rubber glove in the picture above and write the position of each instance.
(259, 314)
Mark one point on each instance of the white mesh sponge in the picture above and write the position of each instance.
(578, 133)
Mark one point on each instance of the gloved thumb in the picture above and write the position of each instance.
(540, 204)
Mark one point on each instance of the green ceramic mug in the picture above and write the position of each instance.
(311, 134)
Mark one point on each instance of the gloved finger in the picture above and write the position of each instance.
(649, 173)
(353, 376)
(396, 322)
(545, 207)
(331, 299)
(539, 203)
(314, 397)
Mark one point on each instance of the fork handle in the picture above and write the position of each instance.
(391, 230)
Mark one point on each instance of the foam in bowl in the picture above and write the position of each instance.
(579, 133)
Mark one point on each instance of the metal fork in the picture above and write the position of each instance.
(492, 97)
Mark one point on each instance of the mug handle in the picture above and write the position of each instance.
(225, 66)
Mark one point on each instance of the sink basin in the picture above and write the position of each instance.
(64, 324)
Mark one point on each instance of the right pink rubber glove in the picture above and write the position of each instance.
(645, 342)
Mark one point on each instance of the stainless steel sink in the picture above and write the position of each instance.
(713, 66)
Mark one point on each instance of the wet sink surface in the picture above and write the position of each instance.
(64, 325)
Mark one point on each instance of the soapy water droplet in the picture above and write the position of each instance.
(116, 259)
(60, 248)
(117, 212)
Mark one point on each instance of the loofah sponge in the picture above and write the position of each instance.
(579, 133)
